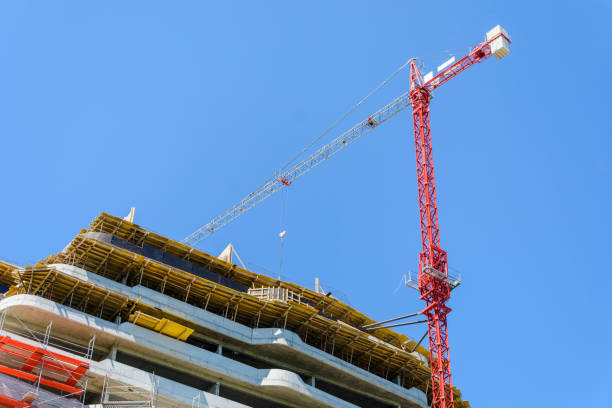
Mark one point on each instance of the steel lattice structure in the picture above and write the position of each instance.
(434, 283)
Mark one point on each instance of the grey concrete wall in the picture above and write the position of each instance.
(280, 385)
(282, 341)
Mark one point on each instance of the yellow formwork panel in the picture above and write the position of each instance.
(5, 273)
(14, 290)
(164, 326)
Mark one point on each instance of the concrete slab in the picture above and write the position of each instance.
(282, 344)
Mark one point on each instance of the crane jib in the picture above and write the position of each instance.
(289, 176)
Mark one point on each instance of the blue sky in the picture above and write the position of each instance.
(180, 110)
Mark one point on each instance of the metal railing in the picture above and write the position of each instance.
(119, 395)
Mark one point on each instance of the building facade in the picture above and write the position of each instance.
(124, 317)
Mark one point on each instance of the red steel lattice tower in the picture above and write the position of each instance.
(434, 283)
(434, 291)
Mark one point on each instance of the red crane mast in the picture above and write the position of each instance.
(434, 283)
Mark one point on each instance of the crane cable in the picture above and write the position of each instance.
(283, 228)
(333, 125)
(341, 118)
(329, 129)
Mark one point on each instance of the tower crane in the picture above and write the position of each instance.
(434, 283)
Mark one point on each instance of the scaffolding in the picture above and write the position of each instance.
(33, 375)
(197, 400)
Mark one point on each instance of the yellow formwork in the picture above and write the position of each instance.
(163, 325)
(5, 273)
(337, 337)
(328, 304)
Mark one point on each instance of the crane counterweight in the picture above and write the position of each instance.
(500, 41)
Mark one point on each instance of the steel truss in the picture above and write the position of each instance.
(434, 282)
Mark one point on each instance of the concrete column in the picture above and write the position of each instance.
(311, 381)
(220, 350)
(113, 353)
(215, 389)
(398, 379)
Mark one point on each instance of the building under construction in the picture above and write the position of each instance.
(124, 317)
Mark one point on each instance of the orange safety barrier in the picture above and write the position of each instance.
(12, 403)
(47, 361)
